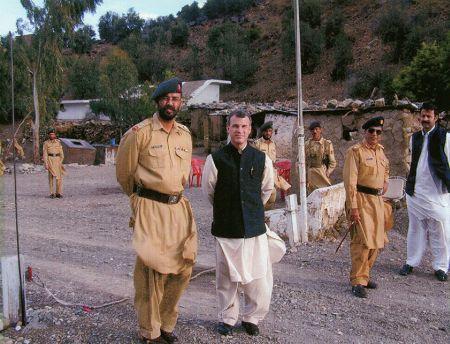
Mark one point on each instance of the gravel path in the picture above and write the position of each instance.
(80, 246)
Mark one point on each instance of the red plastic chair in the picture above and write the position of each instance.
(284, 170)
(196, 171)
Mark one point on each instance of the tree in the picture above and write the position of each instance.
(83, 39)
(84, 78)
(427, 77)
(113, 28)
(42, 51)
(190, 13)
(179, 34)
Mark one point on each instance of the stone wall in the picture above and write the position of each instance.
(399, 125)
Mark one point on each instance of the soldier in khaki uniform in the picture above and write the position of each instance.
(320, 160)
(366, 173)
(152, 166)
(267, 145)
(53, 157)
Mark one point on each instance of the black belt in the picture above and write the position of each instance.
(50, 154)
(369, 191)
(157, 196)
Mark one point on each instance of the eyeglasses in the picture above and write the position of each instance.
(372, 130)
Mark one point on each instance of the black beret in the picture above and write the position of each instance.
(266, 126)
(314, 124)
(169, 86)
(374, 122)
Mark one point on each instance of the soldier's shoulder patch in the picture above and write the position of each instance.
(356, 147)
(141, 125)
(181, 126)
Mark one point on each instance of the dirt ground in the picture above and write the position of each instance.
(80, 247)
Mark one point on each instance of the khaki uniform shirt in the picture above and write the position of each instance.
(165, 235)
(367, 167)
(54, 163)
(268, 147)
(316, 152)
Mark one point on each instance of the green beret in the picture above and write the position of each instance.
(169, 86)
(265, 126)
(51, 130)
(314, 124)
(374, 122)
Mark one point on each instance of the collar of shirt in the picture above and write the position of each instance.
(365, 144)
(426, 133)
(240, 151)
(156, 124)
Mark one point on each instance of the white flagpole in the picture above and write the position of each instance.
(303, 221)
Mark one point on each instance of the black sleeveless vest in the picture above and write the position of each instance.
(437, 160)
(238, 208)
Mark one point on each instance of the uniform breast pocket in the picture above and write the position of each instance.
(183, 158)
(369, 166)
(154, 158)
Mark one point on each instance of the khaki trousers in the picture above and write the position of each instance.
(156, 298)
(362, 261)
(257, 296)
(51, 184)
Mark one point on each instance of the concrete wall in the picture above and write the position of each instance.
(209, 94)
(399, 126)
(283, 134)
(74, 112)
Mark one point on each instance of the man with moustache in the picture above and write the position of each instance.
(319, 158)
(366, 173)
(267, 145)
(428, 195)
(238, 181)
(152, 166)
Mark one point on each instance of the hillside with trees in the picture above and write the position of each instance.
(349, 49)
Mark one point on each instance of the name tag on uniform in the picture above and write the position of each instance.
(156, 146)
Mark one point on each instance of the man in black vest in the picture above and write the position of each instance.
(428, 195)
(238, 179)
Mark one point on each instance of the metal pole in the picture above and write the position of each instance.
(22, 290)
(303, 221)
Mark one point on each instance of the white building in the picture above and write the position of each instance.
(76, 110)
(203, 91)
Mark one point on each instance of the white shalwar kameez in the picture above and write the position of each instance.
(242, 262)
(429, 214)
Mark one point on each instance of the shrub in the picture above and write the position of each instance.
(219, 8)
(113, 28)
(82, 40)
(311, 12)
(179, 34)
(333, 27)
(156, 31)
(366, 80)
(192, 63)
(190, 13)
(343, 56)
(153, 65)
(84, 77)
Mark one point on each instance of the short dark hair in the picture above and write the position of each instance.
(240, 114)
(428, 106)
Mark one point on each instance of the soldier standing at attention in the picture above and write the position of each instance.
(320, 160)
(53, 157)
(366, 173)
(152, 167)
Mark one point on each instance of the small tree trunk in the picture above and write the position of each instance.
(36, 155)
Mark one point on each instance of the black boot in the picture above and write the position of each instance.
(251, 329)
(406, 270)
(225, 329)
(441, 275)
(169, 337)
(359, 291)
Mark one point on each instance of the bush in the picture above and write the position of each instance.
(333, 27)
(179, 34)
(311, 12)
(153, 65)
(427, 77)
(156, 31)
(84, 77)
(192, 64)
(219, 8)
(190, 13)
(113, 28)
(343, 56)
(229, 50)
(366, 80)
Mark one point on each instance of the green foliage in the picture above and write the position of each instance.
(154, 65)
(405, 33)
(253, 33)
(128, 110)
(311, 12)
(333, 27)
(190, 13)
(343, 56)
(427, 77)
(367, 79)
(113, 28)
(82, 40)
(157, 31)
(179, 34)
(192, 64)
(312, 42)
(84, 77)
(229, 50)
(219, 8)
